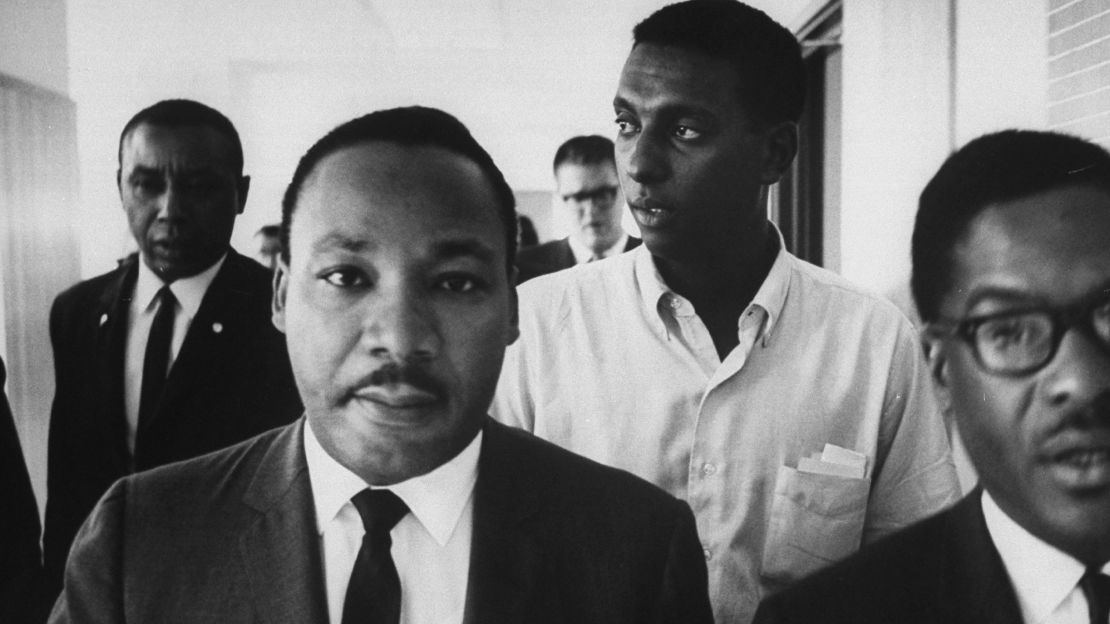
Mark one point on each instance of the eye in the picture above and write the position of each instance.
(457, 283)
(1018, 331)
(345, 278)
(625, 125)
(687, 133)
(148, 185)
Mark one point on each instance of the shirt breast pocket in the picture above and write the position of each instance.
(816, 519)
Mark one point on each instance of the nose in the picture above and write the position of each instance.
(1080, 372)
(399, 326)
(172, 203)
(591, 209)
(643, 158)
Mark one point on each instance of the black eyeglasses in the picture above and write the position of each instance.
(1020, 342)
(599, 194)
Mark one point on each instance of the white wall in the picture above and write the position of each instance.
(33, 42)
(896, 128)
(1001, 66)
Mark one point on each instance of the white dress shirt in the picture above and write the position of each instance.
(189, 292)
(1045, 579)
(615, 366)
(431, 545)
(582, 253)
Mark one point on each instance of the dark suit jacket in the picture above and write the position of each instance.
(942, 570)
(231, 537)
(550, 257)
(231, 380)
(20, 555)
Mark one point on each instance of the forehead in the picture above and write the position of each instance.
(661, 77)
(584, 175)
(1051, 246)
(159, 146)
(391, 194)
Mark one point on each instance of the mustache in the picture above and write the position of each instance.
(393, 373)
(1094, 415)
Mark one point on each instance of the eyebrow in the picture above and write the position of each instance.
(1013, 295)
(143, 170)
(341, 241)
(673, 109)
(441, 250)
(464, 247)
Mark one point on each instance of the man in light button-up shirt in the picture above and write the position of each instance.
(789, 409)
(395, 293)
(1011, 273)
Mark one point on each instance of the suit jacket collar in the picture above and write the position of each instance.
(213, 332)
(505, 558)
(110, 316)
(281, 552)
(974, 585)
(280, 548)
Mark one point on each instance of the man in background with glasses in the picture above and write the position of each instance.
(1011, 273)
(587, 187)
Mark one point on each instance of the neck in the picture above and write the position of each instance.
(723, 280)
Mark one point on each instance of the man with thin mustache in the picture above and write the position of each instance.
(396, 498)
(1011, 274)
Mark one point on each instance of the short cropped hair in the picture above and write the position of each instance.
(408, 126)
(176, 113)
(585, 150)
(999, 167)
(766, 57)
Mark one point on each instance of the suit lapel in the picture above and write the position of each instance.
(505, 558)
(977, 587)
(213, 336)
(110, 317)
(281, 549)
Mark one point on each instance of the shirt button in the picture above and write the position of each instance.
(708, 470)
(708, 555)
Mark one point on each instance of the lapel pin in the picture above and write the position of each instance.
(103, 319)
(217, 327)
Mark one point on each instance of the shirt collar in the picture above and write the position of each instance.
(770, 298)
(1042, 575)
(583, 253)
(436, 498)
(189, 291)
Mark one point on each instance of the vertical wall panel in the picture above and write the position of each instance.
(38, 248)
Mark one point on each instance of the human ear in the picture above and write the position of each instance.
(281, 289)
(936, 358)
(780, 146)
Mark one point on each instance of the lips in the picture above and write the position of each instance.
(651, 213)
(398, 395)
(399, 386)
(1082, 466)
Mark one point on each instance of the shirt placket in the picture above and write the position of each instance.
(709, 460)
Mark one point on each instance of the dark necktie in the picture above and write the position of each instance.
(157, 358)
(1096, 587)
(374, 592)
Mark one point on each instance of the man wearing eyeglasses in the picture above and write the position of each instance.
(587, 187)
(1011, 273)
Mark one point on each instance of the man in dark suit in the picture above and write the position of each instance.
(1011, 274)
(20, 555)
(396, 498)
(173, 353)
(586, 183)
